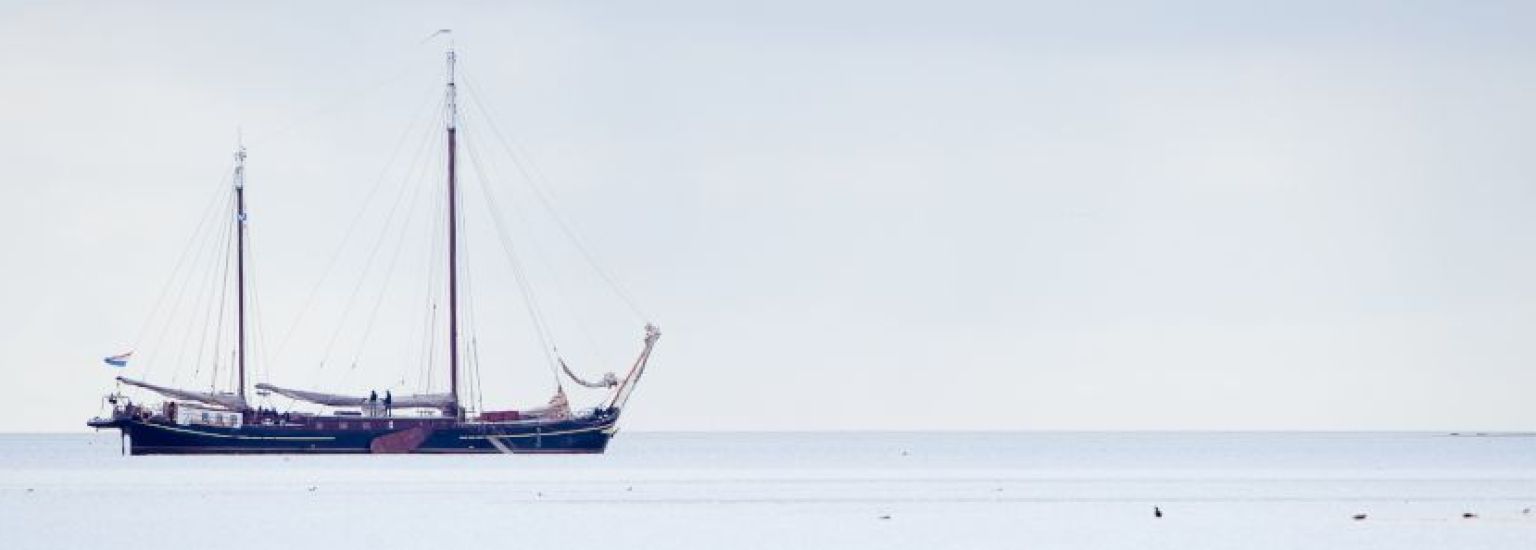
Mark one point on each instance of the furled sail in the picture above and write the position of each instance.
(441, 401)
(558, 408)
(608, 381)
(226, 400)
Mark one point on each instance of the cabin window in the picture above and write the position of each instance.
(319, 425)
(205, 417)
(343, 425)
(391, 424)
(367, 425)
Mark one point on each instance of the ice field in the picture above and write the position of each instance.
(883, 490)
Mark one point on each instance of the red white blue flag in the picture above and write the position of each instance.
(120, 360)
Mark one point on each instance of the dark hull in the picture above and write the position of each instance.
(350, 436)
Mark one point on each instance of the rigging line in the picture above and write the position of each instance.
(428, 344)
(429, 324)
(427, 351)
(502, 232)
(218, 330)
(518, 273)
(218, 299)
(261, 346)
(208, 210)
(352, 227)
(256, 348)
(473, 386)
(483, 170)
(559, 290)
(389, 272)
(560, 295)
(468, 300)
(474, 350)
(224, 284)
(424, 379)
(257, 354)
(469, 330)
(258, 313)
(202, 299)
(435, 250)
(367, 267)
(189, 325)
(474, 328)
(531, 174)
(423, 353)
(192, 250)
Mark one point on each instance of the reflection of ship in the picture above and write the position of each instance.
(196, 422)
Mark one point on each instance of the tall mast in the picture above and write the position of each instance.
(453, 236)
(240, 265)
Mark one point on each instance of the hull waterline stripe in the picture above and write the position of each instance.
(231, 436)
(201, 450)
(545, 434)
(179, 450)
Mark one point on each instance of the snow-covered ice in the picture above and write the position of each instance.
(883, 490)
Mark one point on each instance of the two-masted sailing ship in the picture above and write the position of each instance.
(212, 422)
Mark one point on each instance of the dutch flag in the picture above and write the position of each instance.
(120, 360)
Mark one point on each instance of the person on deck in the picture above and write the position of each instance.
(389, 403)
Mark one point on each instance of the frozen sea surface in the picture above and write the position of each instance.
(883, 490)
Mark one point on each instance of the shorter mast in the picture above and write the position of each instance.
(240, 267)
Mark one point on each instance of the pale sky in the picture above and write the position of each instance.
(843, 215)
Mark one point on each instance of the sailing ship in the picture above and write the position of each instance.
(212, 422)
